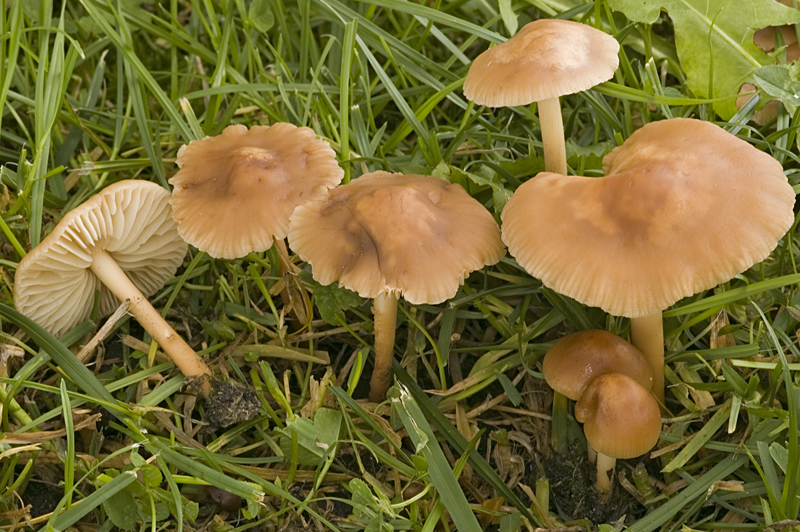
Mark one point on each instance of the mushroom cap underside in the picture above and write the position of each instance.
(132, 221)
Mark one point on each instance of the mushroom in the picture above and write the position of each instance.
(683, 207)
(546, 59)
(234, 192)
(620, 419)
(122, 242)
(389, 235)
(578, 358)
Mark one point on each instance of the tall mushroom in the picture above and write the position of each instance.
(546, 59)
(122, 242)
(234, 192)
(389, 235)
(683, 207)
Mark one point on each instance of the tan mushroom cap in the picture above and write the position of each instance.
(577, 358)
(620, 418)
(684, 206)
(132, 221)
(545, 59)
(234, 192)
(411, 235)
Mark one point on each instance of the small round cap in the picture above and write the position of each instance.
(683, 207)
(620, 418)
(577, 358)
(545, 59)
(412, 235)
(234, 192)
(132, 221)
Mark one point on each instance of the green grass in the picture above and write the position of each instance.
(96, 91)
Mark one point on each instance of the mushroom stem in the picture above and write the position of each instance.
(605, 475)
(555, 151)
(647, 335)
(384, 309)
(111, 275)
(591, 453)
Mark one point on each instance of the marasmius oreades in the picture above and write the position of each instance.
(546, 59)
(235, 191)
(122, 243)
(387, 236)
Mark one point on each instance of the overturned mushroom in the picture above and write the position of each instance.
(122, 242)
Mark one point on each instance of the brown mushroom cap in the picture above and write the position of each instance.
(234, 192)
(415, 236)
(620, 418)
(684, 206)
(132, 221)
(545, 59)
(577, 358)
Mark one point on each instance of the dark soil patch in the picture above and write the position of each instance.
(572, 491)
(228, 405)
(42, 497)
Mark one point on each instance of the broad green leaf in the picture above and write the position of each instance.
(121, 508)
(308, 452)
(315, 437)
(332, 300)
(718, 29)
(776, 81)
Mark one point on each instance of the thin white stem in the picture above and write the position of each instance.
(384, 309)
(555, 151)
(605, 475)
(113, 277)
(647, 335)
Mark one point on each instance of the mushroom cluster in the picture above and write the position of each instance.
(684, 206)
(610, 380)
